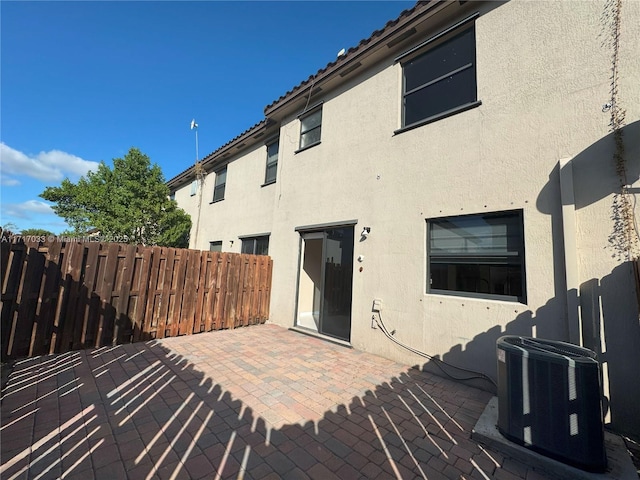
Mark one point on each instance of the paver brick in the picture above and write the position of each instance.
(199, 467)
(279, 462)
(320, 472)
(262, 415)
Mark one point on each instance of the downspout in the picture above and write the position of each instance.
(572, 274)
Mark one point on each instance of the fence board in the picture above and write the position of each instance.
(202, 292)
(90, 305)
(58, 296)
(47, 301)
(212, 271)
(150, 320)
(186, 320)
(61, 303)
(28, 301)
(123, 330)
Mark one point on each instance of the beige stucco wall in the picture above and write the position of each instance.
(245, 211)
(542, 76)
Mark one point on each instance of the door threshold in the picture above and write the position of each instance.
(313, 333)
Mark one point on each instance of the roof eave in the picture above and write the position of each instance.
(378, 40)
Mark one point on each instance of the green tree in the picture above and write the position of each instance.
(36, 232)
(131, 200)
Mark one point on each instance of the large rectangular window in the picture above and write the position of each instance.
(221, 182)
(310, 128)
(256, 245)
(442, 80)
(272, 162)
(479, 255)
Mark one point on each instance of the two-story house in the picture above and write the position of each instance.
(454, 177)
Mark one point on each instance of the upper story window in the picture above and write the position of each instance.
(194, 187)
(477, 255)
(256, 245)
(272, 162)
(221, 181)
(172, 195)
(310, 128)
(440, 81)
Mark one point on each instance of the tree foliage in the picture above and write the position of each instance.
(131, 200)
(36, 232)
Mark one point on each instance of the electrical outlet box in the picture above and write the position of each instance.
(377, 305)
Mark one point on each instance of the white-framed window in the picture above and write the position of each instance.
(439, 78)
(478, 255)
(272, 162)
(194, 187)
(220, 184)
(258, 245)
(311, 128)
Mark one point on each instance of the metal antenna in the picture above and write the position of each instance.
(194, 126)
(199, 179)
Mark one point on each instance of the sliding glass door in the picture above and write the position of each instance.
(325, 281)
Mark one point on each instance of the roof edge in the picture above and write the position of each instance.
(353, 54)
(218, 156)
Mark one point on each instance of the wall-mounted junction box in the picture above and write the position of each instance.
(377, 305)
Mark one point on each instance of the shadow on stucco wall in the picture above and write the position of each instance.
(610, 327)
(594, 171)
(614, 336)
(602, 311)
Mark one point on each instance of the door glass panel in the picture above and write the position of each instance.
(338, 258)
(309, 289)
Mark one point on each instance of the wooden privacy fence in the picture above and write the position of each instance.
(59, 296)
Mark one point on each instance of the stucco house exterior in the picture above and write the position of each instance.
(452, 176)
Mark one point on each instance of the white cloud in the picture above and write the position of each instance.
(27, 209)
(8, 181)
(49, 166)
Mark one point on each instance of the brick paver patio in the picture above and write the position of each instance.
(253, 403)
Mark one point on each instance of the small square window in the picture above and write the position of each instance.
(477, 255)
(215, 246)
(272, 162)
(310, 128)
(220, 183)
(256, 245)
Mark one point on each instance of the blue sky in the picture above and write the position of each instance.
(83, 82)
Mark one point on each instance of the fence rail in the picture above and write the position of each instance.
(59, 296)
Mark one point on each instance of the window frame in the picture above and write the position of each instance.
(218, 186)
(437, 41)
(194, 188)
(273, 163)
(254, 239)
(519, 255)
(217, 243)
(317, 109)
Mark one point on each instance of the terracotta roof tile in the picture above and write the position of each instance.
(209, 159)
(350, 52)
